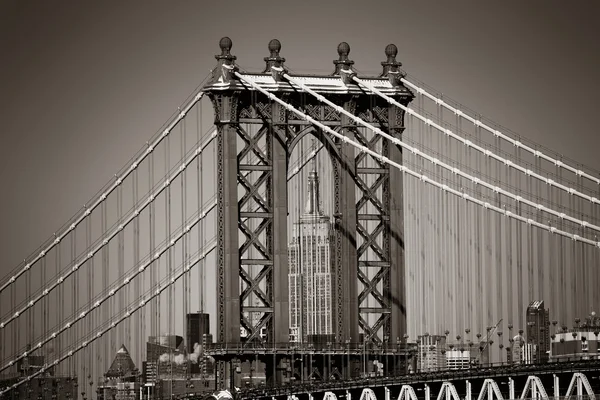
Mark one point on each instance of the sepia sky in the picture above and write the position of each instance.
(84, 85)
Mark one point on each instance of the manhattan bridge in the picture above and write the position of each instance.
(349, 236)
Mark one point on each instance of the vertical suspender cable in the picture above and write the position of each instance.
(442, 249)
(89, 271)
(509, 258)
(421, 235)
(201, 268)
(154, 269)
(124, 294)
(104, 264)
(184, 260)
(519, 228)
(498, 239)
(56, 345)
(460, 281)
(139, 332)
(530, 232)
(542, 277)
(563, 292)
(169, 309)
(573, 273)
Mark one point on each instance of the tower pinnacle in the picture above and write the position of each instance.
(313, 203)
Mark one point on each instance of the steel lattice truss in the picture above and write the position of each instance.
(261, 134)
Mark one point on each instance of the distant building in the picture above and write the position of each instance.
(458, 359)
(198, 328)
(574, 345)
(538, 331)
(310, 272)
(43, 386)
(431, 353)
(523, 353)
(165, 355)
(122, 380)
(198, 324)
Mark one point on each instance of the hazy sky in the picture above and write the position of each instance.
(83, 85)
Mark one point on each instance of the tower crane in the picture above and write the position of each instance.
(487, 341)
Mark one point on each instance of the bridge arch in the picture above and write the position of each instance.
(535, 387)
(407, 392)
(578, 384)
(490, 387)
(448, 392)
(368, 394)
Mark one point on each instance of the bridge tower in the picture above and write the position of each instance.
(252, 214)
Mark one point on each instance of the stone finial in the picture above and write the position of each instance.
(225, 72)
(274, 60)
(391, 51)
(391, 67)
(225, 44)
(343, 62)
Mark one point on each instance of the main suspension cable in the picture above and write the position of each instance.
(155, 290)
(435, 161)
(124, 283)
(104, 241)
(94, 204)
(497, 133)
(411, 172)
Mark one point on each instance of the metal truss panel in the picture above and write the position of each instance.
(535, 387)
(407, 392)
(579, 383)
(490, 387)
(448, 392)
(368, 394)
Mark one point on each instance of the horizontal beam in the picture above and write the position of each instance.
(374, 310)
(378, 264)
(249, 261)
(380, 171)
(251, 214)
(253, 167)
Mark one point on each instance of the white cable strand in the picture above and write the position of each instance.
(514, 142)
(422, 177)
(185, 229)
(128, 314)
(435, 161)
(135, 212)
(103, 197)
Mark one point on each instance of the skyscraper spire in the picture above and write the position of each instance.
(313, 203)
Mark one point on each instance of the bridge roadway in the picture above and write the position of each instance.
(519, 374)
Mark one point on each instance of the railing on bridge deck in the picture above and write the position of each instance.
(320, 348)
(473, 372)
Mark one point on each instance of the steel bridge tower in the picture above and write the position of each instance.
(244, 115)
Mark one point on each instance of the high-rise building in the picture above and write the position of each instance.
(310, 271)
(538, 330)
(198, 325)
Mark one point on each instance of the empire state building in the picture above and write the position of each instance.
(310, 271)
